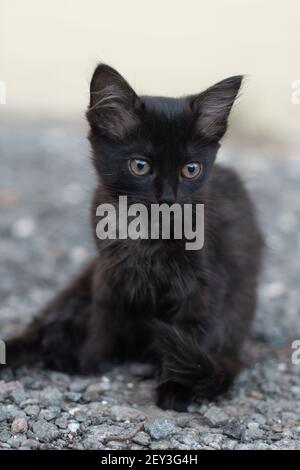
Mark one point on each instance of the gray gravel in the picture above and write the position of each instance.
(45, 186)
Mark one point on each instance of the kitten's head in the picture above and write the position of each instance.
(155, 149)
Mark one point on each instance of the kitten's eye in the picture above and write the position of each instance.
(191, 170)
(139, 167)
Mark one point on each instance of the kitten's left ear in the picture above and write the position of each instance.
(213, 107)
(112, 103)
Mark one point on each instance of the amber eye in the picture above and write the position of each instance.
(139, 167)
(191, 170)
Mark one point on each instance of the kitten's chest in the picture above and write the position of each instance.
(158, 285)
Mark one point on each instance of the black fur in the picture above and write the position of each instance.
(187, 311)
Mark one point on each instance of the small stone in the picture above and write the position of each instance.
(4, 435)
(183, 420)
(93, 392)
(160, 445)
(18, 395)
(19, 425)
(104, 431)
(123, 413)
(49, 413)
(50, 396)
(105, 383)
(185, 440)
(79, 385)
(274, 290)
(16, 441)
(78, 254)
(212, 440)
(29, 402)
(9, 412)
(73, 426)
(45, 431)
(23, 228)
(295, 389)
(234, 429)
(278, 428)
(31, 443)
(159, 428)
(72, 396)
(253, 431)
(136, 447)
(32, 410)
(142, 438)
(216, 416)
(7, 387)
(62, 422)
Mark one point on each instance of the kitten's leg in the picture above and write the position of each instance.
(56, 335)
(102, 327)
(99, 343)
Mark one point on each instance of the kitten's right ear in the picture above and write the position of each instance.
(113, 103)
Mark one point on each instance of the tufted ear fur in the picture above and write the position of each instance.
(113, 103)
(213, 107)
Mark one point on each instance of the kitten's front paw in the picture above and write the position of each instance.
(172, 396)
(91, 361)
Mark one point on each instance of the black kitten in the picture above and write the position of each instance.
(187, 311)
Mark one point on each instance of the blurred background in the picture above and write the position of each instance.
(48, 51)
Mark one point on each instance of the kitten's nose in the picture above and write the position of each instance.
(168, 201)
(167, 196)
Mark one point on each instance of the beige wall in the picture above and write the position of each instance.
(48, 49)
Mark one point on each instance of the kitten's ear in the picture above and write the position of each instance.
(112, 103)
(213, 107)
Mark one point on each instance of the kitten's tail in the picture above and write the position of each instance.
(24, 348)
(186, 362)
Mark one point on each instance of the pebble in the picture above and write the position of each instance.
(253, 431)
(32, 410)
(93, 392)
(295, 389)
(216, 416)
(62, 422)
(49, 413)
(79, 385)
(19, 425)
(23, 228)
(31, 443)
(16, 441)
(7, 387)
(123, 413)
(45, 431)
(50, 396)
(18, 395)
(73, 426)
(159, 428)
(72, 396)
(142, 438)
(234, 429)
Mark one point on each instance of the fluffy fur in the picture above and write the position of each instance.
(188, 312)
